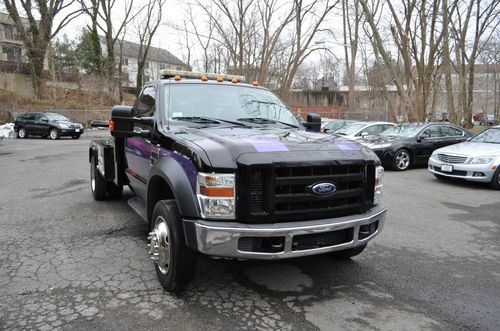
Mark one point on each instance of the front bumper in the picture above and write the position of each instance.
(70, 132)
(224, 239)
(463, 171)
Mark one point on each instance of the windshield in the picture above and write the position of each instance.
(351, 129)
(227, 103)
(488, 136)
(402, 131)
(56, 117)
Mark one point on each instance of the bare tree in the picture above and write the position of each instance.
(146, 26)
(308, 21)
(352, 16)
(103, 16)
(39, 30)
(484, 18)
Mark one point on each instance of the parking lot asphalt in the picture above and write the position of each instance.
(67, 261)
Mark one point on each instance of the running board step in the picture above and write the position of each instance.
(139, 207)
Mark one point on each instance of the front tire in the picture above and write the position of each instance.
(401, 160)
(54, 134)
(495, 182)
(348, 253)
(174, 262)
(22, 134)
(76, 137)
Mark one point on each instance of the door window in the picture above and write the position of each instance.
(432, 132)
(145, 106)
(374, 129)
(449, 131)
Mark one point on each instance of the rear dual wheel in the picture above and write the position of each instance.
(102, 190)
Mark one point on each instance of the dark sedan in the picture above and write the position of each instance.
(52, 125)
(404, 146)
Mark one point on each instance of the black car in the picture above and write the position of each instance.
(52, 125)
(404, 146)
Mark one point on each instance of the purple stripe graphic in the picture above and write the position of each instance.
(346, 145)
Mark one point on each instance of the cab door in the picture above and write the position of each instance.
(138, 149)
(427, 141)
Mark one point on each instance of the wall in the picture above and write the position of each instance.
(326, 103)
(18, 83)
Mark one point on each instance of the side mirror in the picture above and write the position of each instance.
(44, 120)
(313, 122)
(364, 134)
(123, 120)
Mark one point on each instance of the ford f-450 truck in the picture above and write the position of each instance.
(226, 169)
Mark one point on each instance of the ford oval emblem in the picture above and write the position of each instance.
(323, 189)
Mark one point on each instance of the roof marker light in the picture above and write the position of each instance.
(204, 78)
(220, 79)
(234, 81)
(255, 83)
(177, 77)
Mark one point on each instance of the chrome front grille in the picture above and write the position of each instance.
(446, 158)
(281, 193)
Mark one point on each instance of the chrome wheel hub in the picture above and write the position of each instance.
(53, 134)
(159, 245)
(22, 133)
(402, 160)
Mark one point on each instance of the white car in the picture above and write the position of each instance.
(477, 159)
(360, 130)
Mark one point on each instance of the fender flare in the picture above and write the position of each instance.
(176, 178)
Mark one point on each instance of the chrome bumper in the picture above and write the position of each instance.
(221, 238)
(468, 169)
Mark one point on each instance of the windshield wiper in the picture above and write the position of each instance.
(207, 120)
(262, 120)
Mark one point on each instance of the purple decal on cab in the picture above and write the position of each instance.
(346, 145)
(186, 164)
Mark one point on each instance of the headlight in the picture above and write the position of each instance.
(216, 195)
(377, 146)
(64, 126)
(481, 160)
(379, 175)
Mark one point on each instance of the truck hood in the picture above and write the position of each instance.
(227, 146)
(470, 148)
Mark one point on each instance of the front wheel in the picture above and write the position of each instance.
(175, 264)
(54, 134)
(495, 182)
(348, 253)
(76, 136)
(401, 160)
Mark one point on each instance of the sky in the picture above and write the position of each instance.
(170, 38)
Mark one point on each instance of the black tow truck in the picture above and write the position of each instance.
(226, 169)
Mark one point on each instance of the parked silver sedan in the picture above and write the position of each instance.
(477, 159)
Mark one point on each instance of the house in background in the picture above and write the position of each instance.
(11, 47)
(158, 59)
